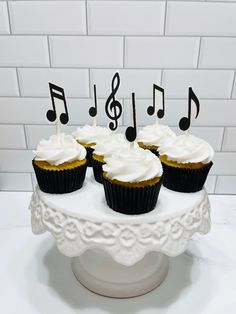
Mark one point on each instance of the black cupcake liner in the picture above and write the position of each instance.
(97, 170)
(131, 200)
(89, 156)
(60, 181)
(183, 179)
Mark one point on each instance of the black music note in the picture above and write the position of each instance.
(184, 122)
(131, 131)
(114, 104)
(93, 110)
(57, 92)
(151, 109)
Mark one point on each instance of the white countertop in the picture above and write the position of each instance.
(36, 278)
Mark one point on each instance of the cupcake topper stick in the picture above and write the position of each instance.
(131, 131)
(158, 92)
(113, 107)
(93, 110)
(58, 93)
(184, 122)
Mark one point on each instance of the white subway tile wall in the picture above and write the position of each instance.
(78, 43)
(47, 17)
(24, 51)
(4, 23)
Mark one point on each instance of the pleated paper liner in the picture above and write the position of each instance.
(97, 170)
(131, 200)
(153, 150)
(89, 156)
(60, 181)
(185, 180)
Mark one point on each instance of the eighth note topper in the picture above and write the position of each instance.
(131, 131)
(57, 92)
(157, 91)
(185, 122)
(113, 107)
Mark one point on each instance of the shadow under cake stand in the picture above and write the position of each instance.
(113, 254)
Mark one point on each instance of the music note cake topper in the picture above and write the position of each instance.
(157, 92)
(185, 122)
(57, 92)
(113, 107)
(131, 131)
(93, 110)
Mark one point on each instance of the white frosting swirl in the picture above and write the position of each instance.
(59, 149)
(133, 165)
(187, 148)
(111, 144)
(90, 134)
(155, 134)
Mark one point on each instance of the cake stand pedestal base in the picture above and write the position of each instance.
(97, 271)
(118, 255)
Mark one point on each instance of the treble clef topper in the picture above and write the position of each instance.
(113, 107)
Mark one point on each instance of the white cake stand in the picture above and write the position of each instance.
(114, 254)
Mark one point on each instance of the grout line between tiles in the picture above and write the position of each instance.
(201, 1)
(90, 83)
(223, 138)
(216, 181)
(161, 78)
(199, 52)
(86, 14)
(122, 34)
(49, 52)
(165, 19)
(124, 53)
(26, 142)
(142, 68)
(9, 17)
(18, 82)
(232, 90)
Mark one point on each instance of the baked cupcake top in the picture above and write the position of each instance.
(132, 165)
(110, 144)
(154, 134)
(187, 148)
(59, 149)
(89, 134)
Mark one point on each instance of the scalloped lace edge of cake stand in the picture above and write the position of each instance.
(126, 243)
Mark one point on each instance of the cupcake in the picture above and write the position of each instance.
(186, 161)
(151, 136)
(88, 136)
(60, 164)
(104, 149)
(132, 179)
